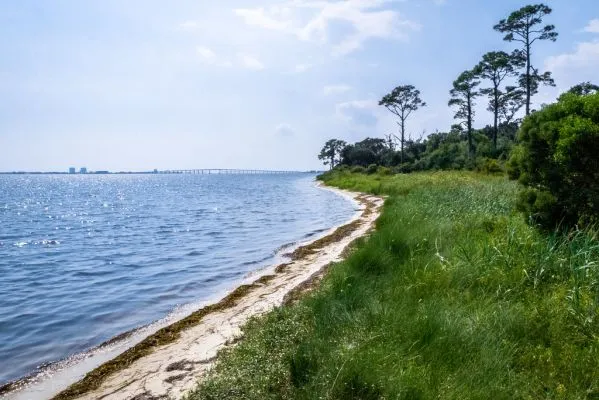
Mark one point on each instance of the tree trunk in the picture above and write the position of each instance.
(528, 80)
(403, 125)
(469, 122)
(496, 117)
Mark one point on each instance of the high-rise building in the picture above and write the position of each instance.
(83, 170)
(72, 170)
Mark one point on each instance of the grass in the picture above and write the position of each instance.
(453, 296)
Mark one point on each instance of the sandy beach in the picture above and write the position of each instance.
(168, 363)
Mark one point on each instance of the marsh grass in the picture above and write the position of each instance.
(453, 296)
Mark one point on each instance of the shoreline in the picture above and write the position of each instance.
(170, 360)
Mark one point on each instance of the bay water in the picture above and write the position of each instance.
(86, 257)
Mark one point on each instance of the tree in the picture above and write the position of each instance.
(330, 153)
(510, 102)
(462, 96)
(496, 66)
(583, 89)
(368, 151)
(522, 26)
(402, 101)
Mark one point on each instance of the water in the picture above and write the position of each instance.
(84, 258)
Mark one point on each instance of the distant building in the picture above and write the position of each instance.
(155, 171)
(72, 170)
(83, 170)
(102, 172)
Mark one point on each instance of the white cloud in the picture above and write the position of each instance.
(367, 19)
(593, 26)
(250, 62)
(336, 89)
(206, 53)
(208, 56)
(357, 111)
(260, 17)
(188, 25)
(299, 68)
(285, 130)
(569, 69)
(586, 55)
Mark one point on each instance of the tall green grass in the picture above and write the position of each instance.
(453, 296)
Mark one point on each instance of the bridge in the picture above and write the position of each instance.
(209, 171)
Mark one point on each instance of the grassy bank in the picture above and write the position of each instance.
(453, 296)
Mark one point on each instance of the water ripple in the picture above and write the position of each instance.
(85, 258)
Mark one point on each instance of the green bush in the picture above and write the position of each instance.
(372, 169)
(358, 169)
(489, 166)
(558, 160)
(384, 171)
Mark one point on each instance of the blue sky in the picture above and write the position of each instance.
(140, 84)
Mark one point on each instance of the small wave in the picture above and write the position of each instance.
(314, 233)
(195, 253)
(254, 262)
(285, 247)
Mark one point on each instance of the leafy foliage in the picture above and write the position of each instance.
(331, 152)
(557, 159)
(463, 94)
(523, 26)
(496, 66)
(584, 88)
(402, 101)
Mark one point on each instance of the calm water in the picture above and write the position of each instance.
(84, 258)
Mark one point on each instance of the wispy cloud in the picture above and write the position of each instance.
(593, 26)
(578, 65)
(299, 68)
(208, 56)
(250, 62)
(369, 19)
(189, 25)
(336, 89)
(285, 130)
(360, 112)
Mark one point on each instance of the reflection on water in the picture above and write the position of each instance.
(84, 258)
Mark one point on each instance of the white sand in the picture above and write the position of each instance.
(173, 369)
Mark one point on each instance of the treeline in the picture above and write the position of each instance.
(553, 151)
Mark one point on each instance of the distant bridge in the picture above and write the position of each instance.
(209, 171)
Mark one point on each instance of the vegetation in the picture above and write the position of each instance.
(462, 96)
(453, 296)
(523, 26)
(508, 80)
(402, 101)
(331, 151)
(557, 160)
(496, 66)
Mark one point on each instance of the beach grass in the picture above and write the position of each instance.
(453, 296)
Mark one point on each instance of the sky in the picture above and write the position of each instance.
(143, 84)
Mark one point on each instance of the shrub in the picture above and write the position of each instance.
(384, 171)
(489, 166)
(358, 169)
(372, 168)
(558, 160)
